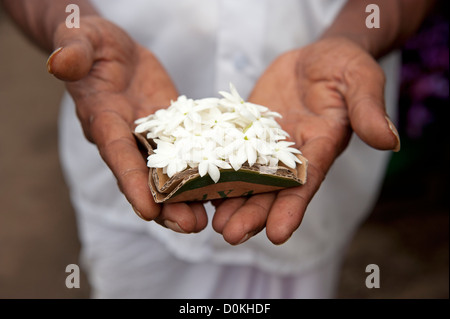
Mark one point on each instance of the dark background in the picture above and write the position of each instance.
(406, 234)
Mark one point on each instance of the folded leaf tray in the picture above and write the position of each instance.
(188, 185)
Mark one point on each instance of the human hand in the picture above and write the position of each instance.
(324, 91)
(113, 81)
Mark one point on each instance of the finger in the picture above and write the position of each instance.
(224, 210)
(364, 95)
(183, 217)
(288, 209)
(201, 216)
(249, 219)
(73, 58)
(118, 148)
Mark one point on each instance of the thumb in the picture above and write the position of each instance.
(366, 107)
(73, 58)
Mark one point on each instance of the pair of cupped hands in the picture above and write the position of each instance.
(324, 91)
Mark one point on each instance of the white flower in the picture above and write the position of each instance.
(166, 156)
(233, 101)
(243, 148)
(284, 153)
(215, 133)
(233, 96)
(209, 164)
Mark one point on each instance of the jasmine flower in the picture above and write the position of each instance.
(215, 133)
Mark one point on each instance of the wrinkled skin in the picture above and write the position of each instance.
(324, 92)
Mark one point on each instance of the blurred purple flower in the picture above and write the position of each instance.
(418, 117)
(435, 58)
(410, 72)
(424, 75)
(430, 85)
(434, 35)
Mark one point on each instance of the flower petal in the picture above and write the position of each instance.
(213, 172)
(235, 162)
(286, 158)
(171, 169)
(157, 161)
(293, 150)
(251, 154)
(222, 164)
(203, 168)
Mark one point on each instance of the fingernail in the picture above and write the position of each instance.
(395, 132)
(139, 214)
(50, 58)
(281, 243)
(174, 226)
(244, 239)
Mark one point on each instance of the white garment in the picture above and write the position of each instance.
(204, 45)
(143, 268)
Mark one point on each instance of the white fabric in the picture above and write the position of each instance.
(204, 45)
(130, 264)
